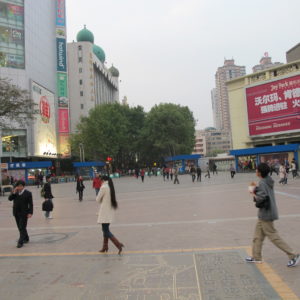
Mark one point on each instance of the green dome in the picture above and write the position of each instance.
(114, 71)
(84, 35)
(98, 51)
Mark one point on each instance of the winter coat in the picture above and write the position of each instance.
(266, 188)
(106, 212)
(80, 186)
(48, 192)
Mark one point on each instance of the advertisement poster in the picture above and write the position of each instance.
(64, 145)
(44, 130)
(274, 107)
(63, 120)
(60, 13)
(61, 55)
(62, 85)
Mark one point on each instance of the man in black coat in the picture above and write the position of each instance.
(22, 210)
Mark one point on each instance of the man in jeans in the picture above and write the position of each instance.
(267, 213)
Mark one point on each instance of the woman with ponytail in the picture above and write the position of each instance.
(108, 204)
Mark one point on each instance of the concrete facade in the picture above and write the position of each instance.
(238, 108)
(40, 58)
(90, 82)
(293, 54)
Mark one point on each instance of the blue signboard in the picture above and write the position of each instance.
(29, 165)
(60, 13)
(61, 55)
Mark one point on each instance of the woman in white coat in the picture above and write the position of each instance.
(108, 204)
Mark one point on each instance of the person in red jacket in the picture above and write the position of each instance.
(97, 182)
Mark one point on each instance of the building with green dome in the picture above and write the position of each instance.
(91, 82)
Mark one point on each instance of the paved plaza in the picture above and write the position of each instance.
(185, 241)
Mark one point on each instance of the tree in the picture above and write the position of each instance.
(110, 130)
(169, 130)
(15, 105)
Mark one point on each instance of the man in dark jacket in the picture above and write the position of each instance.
(22, 210)
(264, 199)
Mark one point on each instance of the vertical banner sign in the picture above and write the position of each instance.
(62, 80)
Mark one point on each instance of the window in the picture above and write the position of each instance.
(81, 93)
(80, 81)
(81, 106)
(79, 59)
(80, 70)
(79, 48)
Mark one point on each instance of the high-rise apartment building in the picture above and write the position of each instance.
(220, 95)
(90, 82)
(265, 63)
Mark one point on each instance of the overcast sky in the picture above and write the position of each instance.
(169, 50)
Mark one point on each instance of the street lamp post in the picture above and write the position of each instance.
(81, 152)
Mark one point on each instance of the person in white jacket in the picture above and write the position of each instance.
(108, 204)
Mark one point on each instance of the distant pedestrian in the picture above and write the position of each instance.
(282, 174)
(97, 182)
(294, 168)
(176, 176)
(22, 210)
(214, 167)
(171, 173)
(232, 171)
(142, 173)
(47, 204)
(106, 215)
(207, 171)
(80, 187)
(199, 171)
(41, 179)
(264, 199)
(193, 173)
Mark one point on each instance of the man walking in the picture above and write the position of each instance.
(264, 199)
(176, 176)
(199, 174)
(22, 210)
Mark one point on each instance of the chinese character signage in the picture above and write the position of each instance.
(62, 84)
(274, 107)
(63, 115)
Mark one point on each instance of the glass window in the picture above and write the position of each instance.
(80, 70)
(81, 106)
(80, 81)
(79, 59)
(81, 93)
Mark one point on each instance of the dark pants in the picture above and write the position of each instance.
(193, 177)
(199, 177)
(21, 221)
(142, 176)
(80, 195)
(106, 231)
(176, 179)
(207, 174)
(232, 173)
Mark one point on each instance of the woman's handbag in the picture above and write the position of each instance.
(47, 205)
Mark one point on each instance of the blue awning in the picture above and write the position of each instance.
(266, 149)
(88, 164)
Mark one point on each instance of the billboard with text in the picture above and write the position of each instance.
(274, 107)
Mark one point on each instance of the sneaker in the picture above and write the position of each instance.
(294, 262)
(252, 260)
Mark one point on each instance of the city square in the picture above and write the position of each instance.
(185, 241)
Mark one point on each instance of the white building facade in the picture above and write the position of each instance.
(90, 82)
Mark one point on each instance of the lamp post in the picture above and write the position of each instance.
(81, 152)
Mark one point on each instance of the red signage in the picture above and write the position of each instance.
(274, 107)
(63, 117)
(44, 109)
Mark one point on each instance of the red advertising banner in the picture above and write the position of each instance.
(274, 107)
(63, 117)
